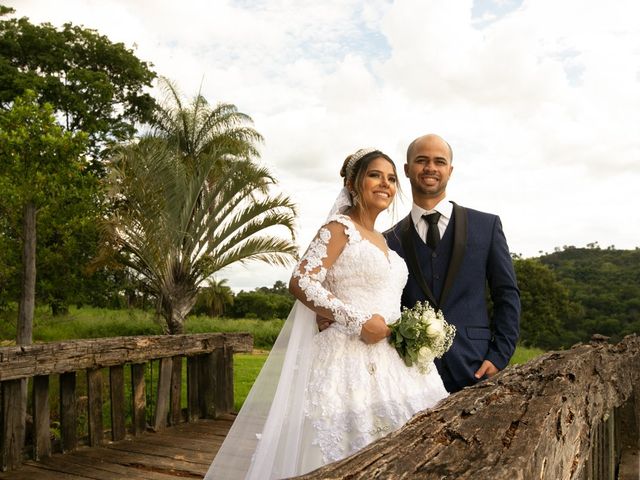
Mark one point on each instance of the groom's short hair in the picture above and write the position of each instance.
(412, 144)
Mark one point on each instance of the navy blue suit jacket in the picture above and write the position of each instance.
(479, 259)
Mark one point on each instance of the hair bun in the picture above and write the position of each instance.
(343, 170)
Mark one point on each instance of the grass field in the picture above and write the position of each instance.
(524, 354)
(246, 368)
(89, 322)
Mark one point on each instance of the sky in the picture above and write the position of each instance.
(540, 99)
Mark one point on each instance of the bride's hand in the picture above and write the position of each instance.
(374, 329)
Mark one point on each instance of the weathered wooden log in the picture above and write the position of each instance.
(530, 421)
(629, 423)
(14, 408)
(68, 412)
(60, 357)
(41, 417)
(94, 408)
(206, 388)
(162, 399)
(175, 406)
(224, 381)
(139, 399)
(118, 407)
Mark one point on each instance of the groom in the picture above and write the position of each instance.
(453, 254)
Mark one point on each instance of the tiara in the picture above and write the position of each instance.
(355, 157)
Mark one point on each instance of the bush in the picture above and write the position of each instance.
(261, 304)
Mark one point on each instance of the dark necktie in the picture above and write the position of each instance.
(433, 232)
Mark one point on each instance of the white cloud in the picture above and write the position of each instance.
(540, 99)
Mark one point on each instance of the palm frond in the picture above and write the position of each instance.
(274, 251)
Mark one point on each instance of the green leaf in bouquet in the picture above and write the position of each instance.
(396, 340)
(407, 331)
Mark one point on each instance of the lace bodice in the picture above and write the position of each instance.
(363, 280)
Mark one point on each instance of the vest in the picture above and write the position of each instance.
(433, 264)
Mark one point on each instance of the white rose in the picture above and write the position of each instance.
(435, 327)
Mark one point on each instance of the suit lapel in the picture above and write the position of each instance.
(407, 238)
(457, 254)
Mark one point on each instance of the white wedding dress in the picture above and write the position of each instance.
(329, 394)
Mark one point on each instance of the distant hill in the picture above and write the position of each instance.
(605, 283)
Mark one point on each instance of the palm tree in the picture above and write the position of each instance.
(190, 202)
(216, 296)
(196, 128)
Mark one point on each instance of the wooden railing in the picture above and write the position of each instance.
(572, 414)
(27, 374)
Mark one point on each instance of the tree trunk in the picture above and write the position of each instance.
(28, 291)
(175, 310)
(16, 398)
(175, 322)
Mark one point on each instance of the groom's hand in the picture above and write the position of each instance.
(323, 323)
(487, 368)
(374, 329)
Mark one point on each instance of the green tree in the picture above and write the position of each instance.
(9, 260)
(606, 283)
(279, 288)
(68, 240)
(547, 310)
(264, 302)
(95, 86)
(260, 304)
(186, 212)
(39, 164)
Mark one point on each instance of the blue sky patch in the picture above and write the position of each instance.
(485, 12)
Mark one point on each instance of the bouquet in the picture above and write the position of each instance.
(420, 335)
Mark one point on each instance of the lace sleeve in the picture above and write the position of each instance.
(311, 272)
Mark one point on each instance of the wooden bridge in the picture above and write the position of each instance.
(179, 452)
(55, 419)
(573, 414)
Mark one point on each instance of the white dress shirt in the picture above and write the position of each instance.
(444, 208)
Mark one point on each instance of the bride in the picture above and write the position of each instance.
(321, 396)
